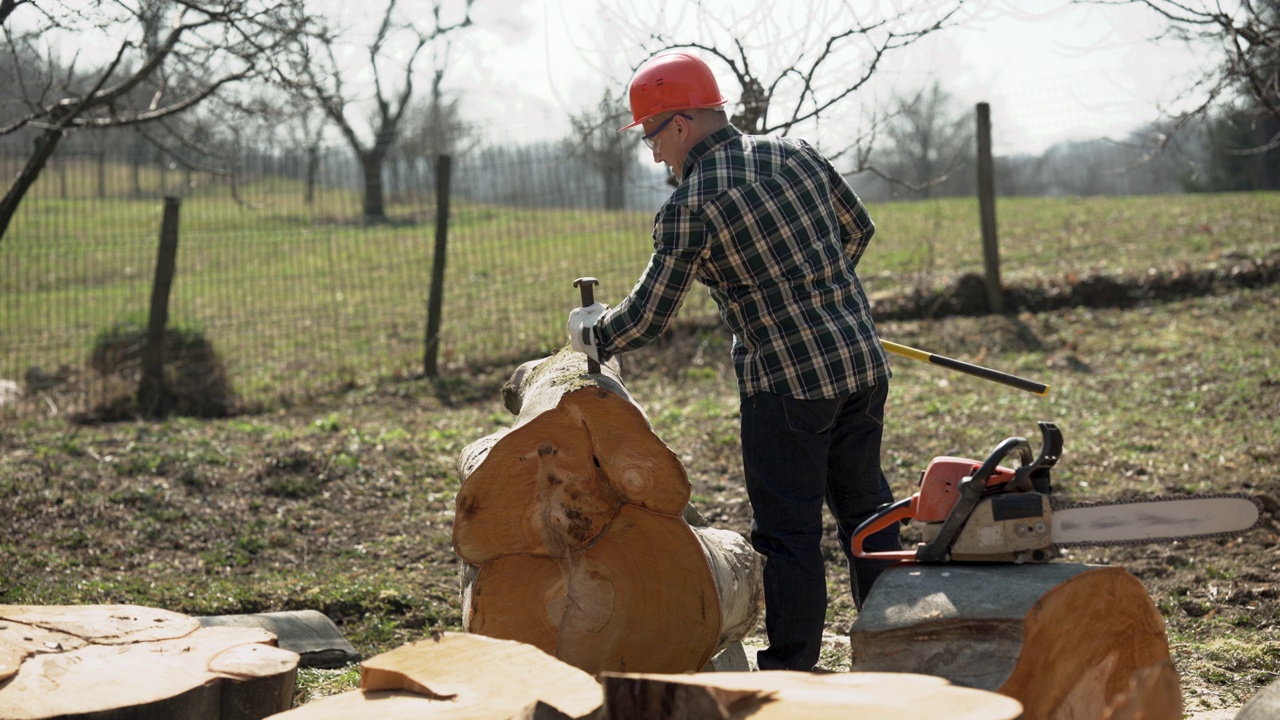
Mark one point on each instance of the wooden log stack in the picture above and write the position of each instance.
(572, 524)
(462, 676)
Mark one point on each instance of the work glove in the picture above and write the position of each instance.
(582, 329)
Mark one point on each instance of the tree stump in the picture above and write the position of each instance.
(461, 676)
(1066, 640)
(571, 526)
(129, 662)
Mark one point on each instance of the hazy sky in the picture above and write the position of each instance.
(1052, 70)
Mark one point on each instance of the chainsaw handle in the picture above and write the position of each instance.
(970, 491)
(886, 516)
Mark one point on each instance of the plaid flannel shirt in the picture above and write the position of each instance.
(775, 233)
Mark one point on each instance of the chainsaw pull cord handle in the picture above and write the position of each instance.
(887, 515)
(970, 492)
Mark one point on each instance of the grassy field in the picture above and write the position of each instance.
(298, 302)
(344, 502)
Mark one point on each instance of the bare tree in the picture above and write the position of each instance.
(306, 134)
(433, 127)
(794, 64)
(1247, 34)
(167, 58)
(598, 143)
(389, 66)
(929, 142)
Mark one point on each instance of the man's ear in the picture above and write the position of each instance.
(684, 124)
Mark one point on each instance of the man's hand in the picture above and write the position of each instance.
(582, 329)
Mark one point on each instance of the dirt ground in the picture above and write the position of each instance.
(345, 504)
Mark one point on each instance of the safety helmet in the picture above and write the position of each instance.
(672, 81)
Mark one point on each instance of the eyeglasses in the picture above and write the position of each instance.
(651, 139)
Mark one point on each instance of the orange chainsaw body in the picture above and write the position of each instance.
(952, 488)
(939, 486)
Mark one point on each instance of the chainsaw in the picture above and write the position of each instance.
(973, 511)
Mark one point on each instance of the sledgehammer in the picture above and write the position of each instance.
(969, 369)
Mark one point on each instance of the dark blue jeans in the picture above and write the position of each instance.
(798, 455)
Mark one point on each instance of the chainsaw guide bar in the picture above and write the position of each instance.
(1142, 521)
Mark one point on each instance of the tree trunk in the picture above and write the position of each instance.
(615, 188)
(1066, 640)
(374, 203)
(313, 170)
(125, 661)
(45, 144)
(571, 525)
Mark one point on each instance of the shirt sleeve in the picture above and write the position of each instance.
(856, 227)
(679, 240)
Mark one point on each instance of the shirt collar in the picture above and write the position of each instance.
(706, 145)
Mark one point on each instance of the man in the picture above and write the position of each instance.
(775, 233)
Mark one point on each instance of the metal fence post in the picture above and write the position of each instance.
(987, 209)
(435, 302)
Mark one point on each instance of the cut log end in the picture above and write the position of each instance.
(137, 662)
(571, 525)
(606, 607)
(461, 676)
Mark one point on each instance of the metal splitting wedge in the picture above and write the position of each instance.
(586, 286)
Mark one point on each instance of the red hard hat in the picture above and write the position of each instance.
(672, 81)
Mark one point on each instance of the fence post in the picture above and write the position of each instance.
(435, 302)
(987, 210)
(154, 396)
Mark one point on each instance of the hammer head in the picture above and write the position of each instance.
(586, 286)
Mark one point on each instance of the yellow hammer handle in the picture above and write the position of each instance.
(968, 368)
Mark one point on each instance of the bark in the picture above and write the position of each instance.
(1066, 640)
(570, 522)
(118, 661)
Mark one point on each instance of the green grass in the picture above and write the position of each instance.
(298, 301)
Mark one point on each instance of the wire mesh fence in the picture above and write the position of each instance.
(294, 291)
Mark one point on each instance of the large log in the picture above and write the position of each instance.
(1068, 641)
(126, 662)
(571, 525)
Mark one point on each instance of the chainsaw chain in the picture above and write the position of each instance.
(1056, 504)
